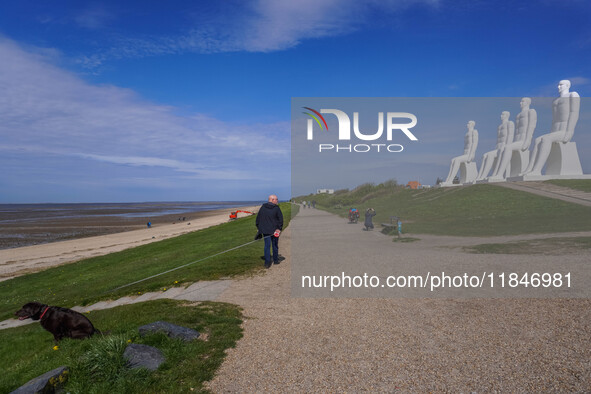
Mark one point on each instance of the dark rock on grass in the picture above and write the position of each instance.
(143, 356)
(172, 330)
(49, 382)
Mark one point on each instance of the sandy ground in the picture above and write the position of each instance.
(19, 261)
(401, 345)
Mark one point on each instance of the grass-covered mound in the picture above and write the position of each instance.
(583, 185)
(91, 280)
(478, 210)
(96, 364)
(547, 246)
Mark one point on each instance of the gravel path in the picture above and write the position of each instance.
(409, 345)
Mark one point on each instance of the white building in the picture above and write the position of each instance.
(325, 191)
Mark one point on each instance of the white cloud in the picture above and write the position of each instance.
(579, 81)
(198, 171)
(48, 112)
(282, 24)
(260, 26)
(551, 89)
(94, 17)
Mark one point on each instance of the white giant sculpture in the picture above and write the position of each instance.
(465, 163)
(504, 135)
(555, 148)
(515, 156)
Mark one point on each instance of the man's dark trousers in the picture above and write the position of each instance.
(271, 240)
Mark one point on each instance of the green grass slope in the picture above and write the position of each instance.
(478, 210)
(93, 279)
(97, 364)
(546, 246)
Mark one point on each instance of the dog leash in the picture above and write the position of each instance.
(183, 266)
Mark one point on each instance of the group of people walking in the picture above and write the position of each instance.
(311, 204)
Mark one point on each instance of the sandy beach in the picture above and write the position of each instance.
(20, 261)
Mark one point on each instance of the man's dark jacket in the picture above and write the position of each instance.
(269, 218)
(369, 218)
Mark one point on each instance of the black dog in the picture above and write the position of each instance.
(61, 322)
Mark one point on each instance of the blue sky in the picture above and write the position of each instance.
(190, 100)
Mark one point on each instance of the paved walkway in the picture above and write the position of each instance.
(200, 291)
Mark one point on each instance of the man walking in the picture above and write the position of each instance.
(270, 223)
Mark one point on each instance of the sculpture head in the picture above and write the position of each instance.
(563, 86)
(505, 115)
(471, 124)
(525, 102)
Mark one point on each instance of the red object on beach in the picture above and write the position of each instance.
(234, 215)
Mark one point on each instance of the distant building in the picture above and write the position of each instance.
(413, 185)
(325, 191)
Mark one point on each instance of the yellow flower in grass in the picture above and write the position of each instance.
(55, 347)
(129, 341)
(176, 281)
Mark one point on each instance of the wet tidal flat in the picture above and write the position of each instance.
(33, 224)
